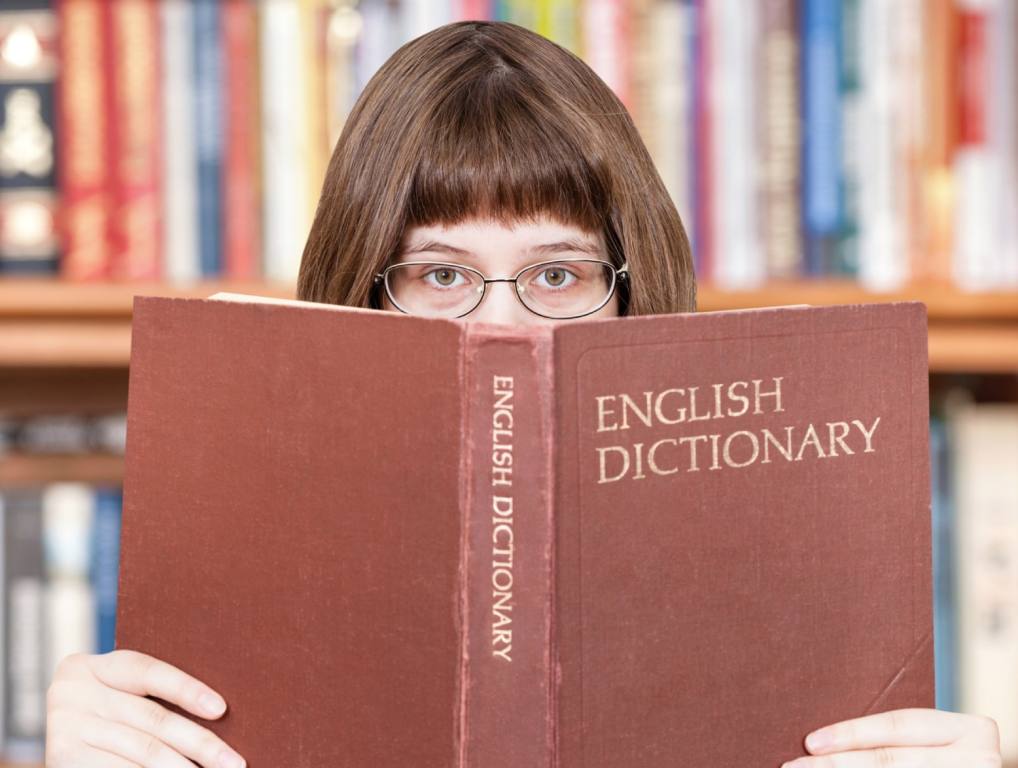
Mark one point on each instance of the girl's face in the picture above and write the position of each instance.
(500, 251)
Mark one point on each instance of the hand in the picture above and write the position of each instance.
(97, 715)
(916, 738)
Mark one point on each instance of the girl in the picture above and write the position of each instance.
(492, 151)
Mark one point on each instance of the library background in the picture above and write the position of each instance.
(819, 151)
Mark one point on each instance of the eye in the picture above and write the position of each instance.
(556, 276)
(445, 277)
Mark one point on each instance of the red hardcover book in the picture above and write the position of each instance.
(82, 126)
(135, 143)
(242, 219)
(653, 541)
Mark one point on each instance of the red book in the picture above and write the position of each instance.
(242, 211)
(134, 138)
(82, 127)
(652, 541)
(972, 79)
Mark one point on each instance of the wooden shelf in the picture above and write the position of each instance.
(50, 323)
(20, 469)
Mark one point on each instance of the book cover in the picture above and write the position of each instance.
(662, 540)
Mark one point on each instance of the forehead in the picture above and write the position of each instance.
(481, 236)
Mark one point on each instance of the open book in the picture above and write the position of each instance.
(651, 541)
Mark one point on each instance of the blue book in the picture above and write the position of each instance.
(944, 599)
(209, 124)
(106, 564)
(821, 145)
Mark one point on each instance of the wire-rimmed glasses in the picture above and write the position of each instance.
(559, 289)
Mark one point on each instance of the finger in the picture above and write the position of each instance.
(895, 728)
(64, 750)
(144, 675)
(886, 757)
(90, 757)
(137, 746)
(184, 735)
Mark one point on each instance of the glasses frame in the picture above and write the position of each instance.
(617, 273)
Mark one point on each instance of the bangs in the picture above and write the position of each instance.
(495, 149)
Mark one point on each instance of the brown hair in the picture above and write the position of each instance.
(490, 119)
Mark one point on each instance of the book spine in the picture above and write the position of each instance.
(846, 260)
(821, 194)
(937, 216)
(778, 130)
(208, 76)
(944, 598)
(28, 238)
(984, 436)
(180, 168)
(703, 182)
(317, 149)
(507, 674)
(973, 163)
(738, 261)
(241, 222)
(105, 560)
(135, 227)
(341, 41)
(881, 257)
(68, 514)
(23, 622)
(82, 162)
(606, 45)
(284, 168)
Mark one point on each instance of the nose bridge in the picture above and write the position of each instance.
(501, 304)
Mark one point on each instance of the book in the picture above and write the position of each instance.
(28, 154)
(661, 540)
(986, 534)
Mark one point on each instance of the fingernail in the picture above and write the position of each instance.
(212, 704)
(228, 759)
(819, 740)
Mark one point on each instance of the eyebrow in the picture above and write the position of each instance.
(569, 244)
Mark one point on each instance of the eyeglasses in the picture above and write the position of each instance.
(560, 289)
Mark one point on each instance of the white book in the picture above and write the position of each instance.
(883, 255)
(180, 167)
(740, 261)
(421, 16)
(1002, 124)
(984, 439)
(68, 511)
(285, 141)
(671, 91)
(381, 33)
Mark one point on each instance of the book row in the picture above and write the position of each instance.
(64, 433)
(180, 139)
(60, 553)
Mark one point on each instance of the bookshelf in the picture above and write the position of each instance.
(65, 346)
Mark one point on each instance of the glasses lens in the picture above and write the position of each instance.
(566, 288)
(434, 289)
